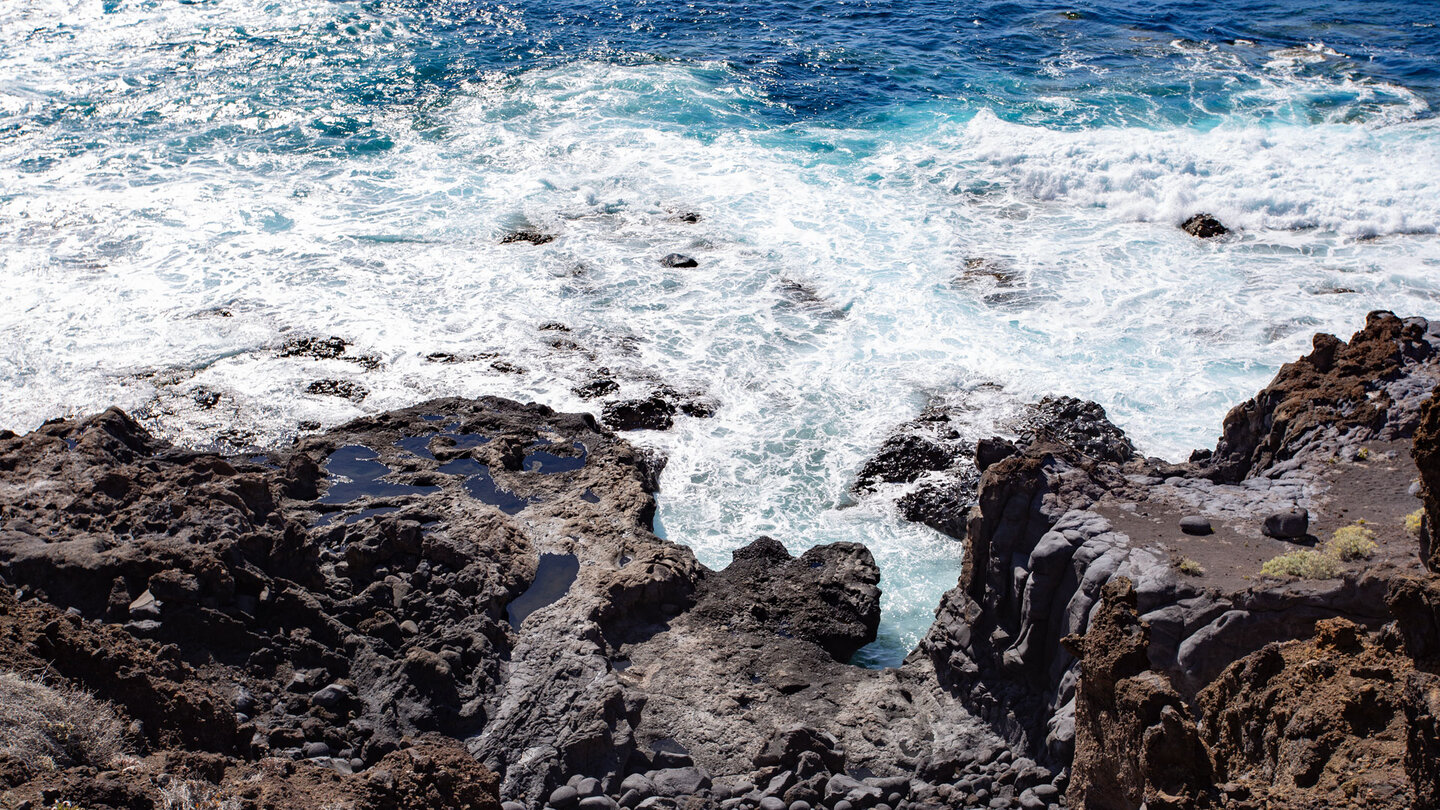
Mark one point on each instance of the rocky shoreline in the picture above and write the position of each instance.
(463, 603)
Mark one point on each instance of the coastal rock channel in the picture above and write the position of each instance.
(464, 604)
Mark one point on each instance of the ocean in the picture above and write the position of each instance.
(895, 203)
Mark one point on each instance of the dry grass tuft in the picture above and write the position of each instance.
(1189, 567)
(189, 794)
(56, 727)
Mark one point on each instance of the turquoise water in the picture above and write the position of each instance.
(898, 202)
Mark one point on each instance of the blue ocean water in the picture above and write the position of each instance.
(899, 203)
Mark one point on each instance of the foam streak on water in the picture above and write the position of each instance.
(183, 187)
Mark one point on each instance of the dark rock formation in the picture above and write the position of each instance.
(331, 348)
(312, 614)
(1078, 426)
(596, 387)
(1204, 226)
(654, 412)
(1135, 741)
(678, 260)
(1369, 388)
(529, 237)
(937, 456)
(828, 596)
(1426, 452)
(904, 458)
(1074, 508)
(346, 389)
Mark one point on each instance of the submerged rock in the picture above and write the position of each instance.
(346, 389)
(530, 237)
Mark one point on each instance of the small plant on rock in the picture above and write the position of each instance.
(1353, 542)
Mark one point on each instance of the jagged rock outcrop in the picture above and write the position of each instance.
(1070, 510)
(828, 596)
(1342, 719)
(480, 574)
(1366, 388)
(1426, 452)
(1136, 743)
(1204, 226)
(1314, 723)
(941, 454)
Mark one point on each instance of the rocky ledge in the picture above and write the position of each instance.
(451, 605)
(1068, 529)
(464, 604)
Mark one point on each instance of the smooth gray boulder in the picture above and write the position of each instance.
(1291, 524)
(1196, 525)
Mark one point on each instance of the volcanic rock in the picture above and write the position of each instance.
(654, 412)
(1292, 524)
(1204, 226)
(678, 260)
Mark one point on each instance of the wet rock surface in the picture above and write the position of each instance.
(464, 602)
(1204, 226)
(1060, 517)
(339, 620)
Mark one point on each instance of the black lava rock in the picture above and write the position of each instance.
(679, 260)
(1204, 226)
(1292, 524)
(531, 237)
(652, 413)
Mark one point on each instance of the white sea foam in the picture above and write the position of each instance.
(833, 297)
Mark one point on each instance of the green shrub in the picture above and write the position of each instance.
(1189, 567)
(1413, 521)
(1303, 564)
(1354, 542)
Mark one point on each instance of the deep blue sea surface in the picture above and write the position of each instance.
(899, 203)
